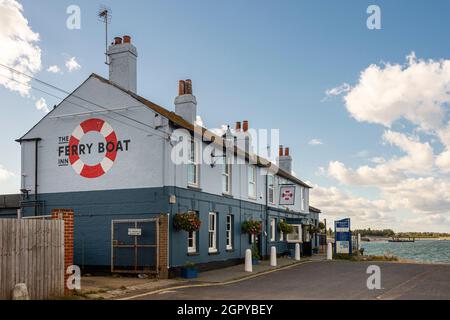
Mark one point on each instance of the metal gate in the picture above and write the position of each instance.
(135, 246)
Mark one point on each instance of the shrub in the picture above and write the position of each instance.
(285, 228)
(252, 227)
(189, 222)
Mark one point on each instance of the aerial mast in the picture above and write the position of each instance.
(104, 15)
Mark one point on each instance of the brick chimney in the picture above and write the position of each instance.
(123, 63)
(243, 137)
(284, 160)
(186, 103)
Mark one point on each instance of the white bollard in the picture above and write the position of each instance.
(273, 256)
(248, 261)
(297, 252)
(330, 251)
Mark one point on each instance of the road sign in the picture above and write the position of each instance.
(343, 237)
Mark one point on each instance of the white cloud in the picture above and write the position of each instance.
(443, 161)
(382, 174)
(336, 203)
(417, 91)
(315, 142)
(419, 158)
(72, 64)
(428, 195)
(378, 160)
(54, 69)
(5, 174)
(337, 91)
(41, 104)
(19, 49)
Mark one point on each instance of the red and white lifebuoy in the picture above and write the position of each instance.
(95, 171)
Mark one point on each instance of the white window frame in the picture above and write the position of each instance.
(271, 188)
(212, 232)
(193, 248)
(193, 162)
(299, 238)
(226, 174)
(272, 229)
(251, 182)
(229, 232)
(303, 198)
(281, 238)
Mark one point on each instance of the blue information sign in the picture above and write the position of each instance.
(343, 236)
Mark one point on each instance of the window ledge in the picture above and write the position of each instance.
(227, 195)
(213, 253)
(192, 187)
(193, 254)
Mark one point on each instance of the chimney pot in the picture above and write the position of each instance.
(126, 39)
(286, 152)
(245, 126)
(280, 151)
(188, 86)
(238, 126)
(181, 87)
(117, 40)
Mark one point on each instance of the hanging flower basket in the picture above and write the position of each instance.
(285, 227)
(252, 227)
(189, 222)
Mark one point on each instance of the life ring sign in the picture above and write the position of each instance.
(110, 153)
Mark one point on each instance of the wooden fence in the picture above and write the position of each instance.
(32, 252)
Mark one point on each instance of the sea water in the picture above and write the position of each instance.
(429, 251)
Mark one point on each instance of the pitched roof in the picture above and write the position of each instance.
(312, 209)
(205, 133)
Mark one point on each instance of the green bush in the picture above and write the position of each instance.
(285, 227)
(252, 227)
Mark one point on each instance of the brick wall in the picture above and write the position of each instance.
(67, 216)
(163, 247)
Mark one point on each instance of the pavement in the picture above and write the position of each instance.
(119, 287)
(324, 280)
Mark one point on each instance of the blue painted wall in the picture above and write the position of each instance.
(95, 210)
(8, 213)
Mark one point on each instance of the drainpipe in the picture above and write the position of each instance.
(267, 209)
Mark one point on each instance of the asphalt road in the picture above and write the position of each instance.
(328, 280)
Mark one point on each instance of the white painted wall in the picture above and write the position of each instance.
(146, 164)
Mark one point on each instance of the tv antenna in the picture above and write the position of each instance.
(104, 15)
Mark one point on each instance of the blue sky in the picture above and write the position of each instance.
(269, 62)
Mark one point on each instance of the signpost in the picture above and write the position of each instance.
(134, 232)
(287, 195)
(343, 237)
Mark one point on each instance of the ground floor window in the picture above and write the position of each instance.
(229, 232)
(192, 242)
(272, 229)
(281, 232)
(296, 235)
(212, 231)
